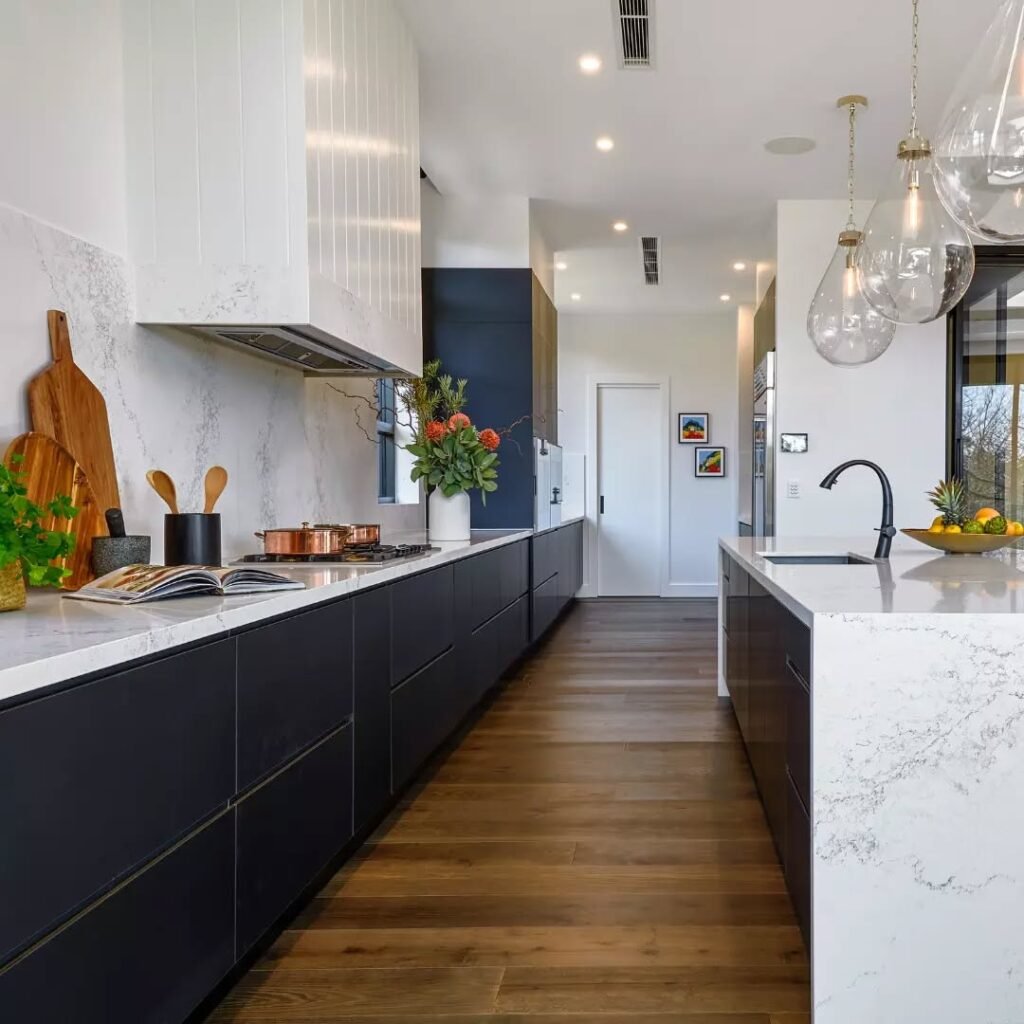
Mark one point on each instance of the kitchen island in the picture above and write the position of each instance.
(882, 705)
(180, 777)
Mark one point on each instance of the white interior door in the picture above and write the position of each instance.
(629, 440)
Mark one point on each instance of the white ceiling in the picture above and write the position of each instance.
(505, 111)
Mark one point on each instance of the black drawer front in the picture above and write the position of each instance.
(798, 860)
(478, 588)
(288, 831)
(798, 731)
(514, 634)
(100, 777)
(515, 572)
(148, 954)
(372, 711)
(545, 607)
(545, 558)
(424, 710)
(422, 613)
(796, 639)
(294, 685)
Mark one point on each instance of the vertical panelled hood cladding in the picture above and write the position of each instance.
(315, 352)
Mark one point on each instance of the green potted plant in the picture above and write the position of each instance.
(452, 456)
(27, 548)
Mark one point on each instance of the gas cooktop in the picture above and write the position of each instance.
(361, 554)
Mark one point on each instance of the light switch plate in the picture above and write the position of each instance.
(792, 488)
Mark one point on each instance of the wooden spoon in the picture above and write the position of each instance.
(164, 486)
(216, 481)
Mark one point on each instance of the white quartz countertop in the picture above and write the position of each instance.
(915, 579)
(54, 640)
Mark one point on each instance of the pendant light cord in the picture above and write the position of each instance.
(913, 73)
(851, 223)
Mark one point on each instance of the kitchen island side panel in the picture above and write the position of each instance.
(918, 825)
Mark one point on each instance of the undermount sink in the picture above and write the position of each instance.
(816, 559)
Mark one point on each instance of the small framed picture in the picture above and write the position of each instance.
(694, 427)
(793, 444)
(709, 462)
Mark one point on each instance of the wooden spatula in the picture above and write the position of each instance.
(216, 481)
(164, 486)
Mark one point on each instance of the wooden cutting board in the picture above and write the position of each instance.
(67, 406)
(49, 469)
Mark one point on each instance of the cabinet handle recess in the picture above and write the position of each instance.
(797, 674)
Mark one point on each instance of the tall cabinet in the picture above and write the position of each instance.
(498, 329)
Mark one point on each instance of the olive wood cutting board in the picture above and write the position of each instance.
(49, 469)
(65, 405)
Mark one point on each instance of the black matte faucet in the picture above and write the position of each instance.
(886, 531)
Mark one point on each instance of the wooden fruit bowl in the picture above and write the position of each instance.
(962, 543)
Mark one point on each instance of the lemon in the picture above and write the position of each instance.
(938, 521)
(952, 529)
(936, 527)
(1016, 529)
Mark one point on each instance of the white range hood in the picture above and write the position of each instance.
(273, 174)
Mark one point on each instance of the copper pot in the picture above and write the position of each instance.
(305, 540)
(362, 533)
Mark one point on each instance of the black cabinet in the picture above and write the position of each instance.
(294, 686)
(545, 607)
(424, 710)
(545, 560)
(100, 777)
(768, 673)
(148, 954)
(289, 829)
(372, 708)
(422, 618)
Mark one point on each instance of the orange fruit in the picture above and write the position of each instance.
(983, 515)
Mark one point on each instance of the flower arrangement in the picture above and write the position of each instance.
(451, 454)
(23, 539)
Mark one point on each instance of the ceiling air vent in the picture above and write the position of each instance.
(651, 252)
(636, 23)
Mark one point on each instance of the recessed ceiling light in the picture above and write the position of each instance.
(725, 298)
(620, 225)
(790, 145)
(605, 144)
(739, 265)
(575, 296)
(590, 63)
(561, 265)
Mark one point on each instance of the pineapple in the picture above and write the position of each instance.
(950, 498)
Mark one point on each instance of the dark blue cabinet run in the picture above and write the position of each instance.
(422, 620)
(99, 778)
(294, 686)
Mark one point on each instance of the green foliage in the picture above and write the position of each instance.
(996, 525)
(22, 536)
(457, 463)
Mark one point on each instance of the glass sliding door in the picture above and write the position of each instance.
(987, 380)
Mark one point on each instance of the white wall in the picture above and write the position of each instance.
(745, 412)
(461, 232)
(292, 447)
(891, 411)
(698, 355)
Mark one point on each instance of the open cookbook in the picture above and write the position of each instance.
(135, 584)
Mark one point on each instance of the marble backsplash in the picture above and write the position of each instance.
(181, 403)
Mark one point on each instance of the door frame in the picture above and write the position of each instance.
(592, 541)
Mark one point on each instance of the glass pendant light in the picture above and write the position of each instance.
(916, 260)
(979, 155)
(845, 329)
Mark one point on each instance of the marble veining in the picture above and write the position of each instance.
(181, 402)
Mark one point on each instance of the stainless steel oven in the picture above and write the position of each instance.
(764, 447)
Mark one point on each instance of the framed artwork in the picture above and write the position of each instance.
(694, 427)
(793, 444)
(709, 462)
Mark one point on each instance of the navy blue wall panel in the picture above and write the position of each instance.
(479, 324)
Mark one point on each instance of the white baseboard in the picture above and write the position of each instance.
(691, 590)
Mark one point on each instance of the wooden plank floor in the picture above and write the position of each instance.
(593, 850)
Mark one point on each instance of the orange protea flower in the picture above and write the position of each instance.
(458, 421)
(489, 439)
(435, 431)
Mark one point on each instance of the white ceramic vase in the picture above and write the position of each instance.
(449, 517)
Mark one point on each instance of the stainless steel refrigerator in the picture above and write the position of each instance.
(764, 447)
(547, 484)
